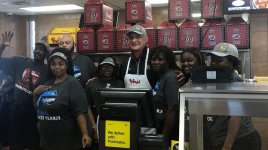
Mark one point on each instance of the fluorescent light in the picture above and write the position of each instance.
(195, 0)
(157, 1)
(53, 8)
(196, 15)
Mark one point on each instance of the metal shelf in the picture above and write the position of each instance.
(107, 53)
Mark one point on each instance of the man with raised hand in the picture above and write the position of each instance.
(27, 74)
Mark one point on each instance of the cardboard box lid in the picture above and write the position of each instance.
(189, 23)
(236, 21)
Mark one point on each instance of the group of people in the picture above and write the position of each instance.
(51, 99)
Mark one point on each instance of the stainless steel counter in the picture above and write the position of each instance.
(237, 99)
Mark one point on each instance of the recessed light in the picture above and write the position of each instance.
(238, 3)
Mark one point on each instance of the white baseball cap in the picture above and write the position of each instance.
(225, 49)
(58, 54)
(109, 61)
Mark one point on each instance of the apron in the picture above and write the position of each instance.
(137, 80)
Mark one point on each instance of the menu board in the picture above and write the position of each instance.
(246, 5)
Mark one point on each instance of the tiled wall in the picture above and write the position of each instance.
(44, 23)
(259, 62)
(259, 44)
(16, 24)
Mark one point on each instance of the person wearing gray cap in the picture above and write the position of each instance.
(225, 54)
(229, 132)
(27, 74)
(61, 106)
(134, 71)
(84, 68)
(107, 77)
(107, 73)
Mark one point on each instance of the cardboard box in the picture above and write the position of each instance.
(237, 33)
(105, 39)
(122, 43)
(167, 34)
(85, 40)
(189, 35)
(212, 9)
(178, 10)
(96, 13)
(212, 33)
(138, 11)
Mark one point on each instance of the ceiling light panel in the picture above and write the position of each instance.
(54, 8)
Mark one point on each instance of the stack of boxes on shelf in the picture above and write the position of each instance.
(212, 31)
(187, 31)
(178, 33)
(215, 30)
(99, 26)
(97, 33)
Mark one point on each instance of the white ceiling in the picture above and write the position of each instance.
(11, 7)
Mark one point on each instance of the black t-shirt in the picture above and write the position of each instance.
(99, 84)
(6, 87)
(216, 127)
(165, 94)
(27, 75)
(135, 67)
(166, 90)
(84, 68)
(57, 110)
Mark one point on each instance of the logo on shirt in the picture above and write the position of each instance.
(210, 119)
(108, 85)
(77, 72)
(156, 88)
(46, 98)
(43, 103)
(29, 80)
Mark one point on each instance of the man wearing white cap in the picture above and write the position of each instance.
(229, 132)
(135, 71)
